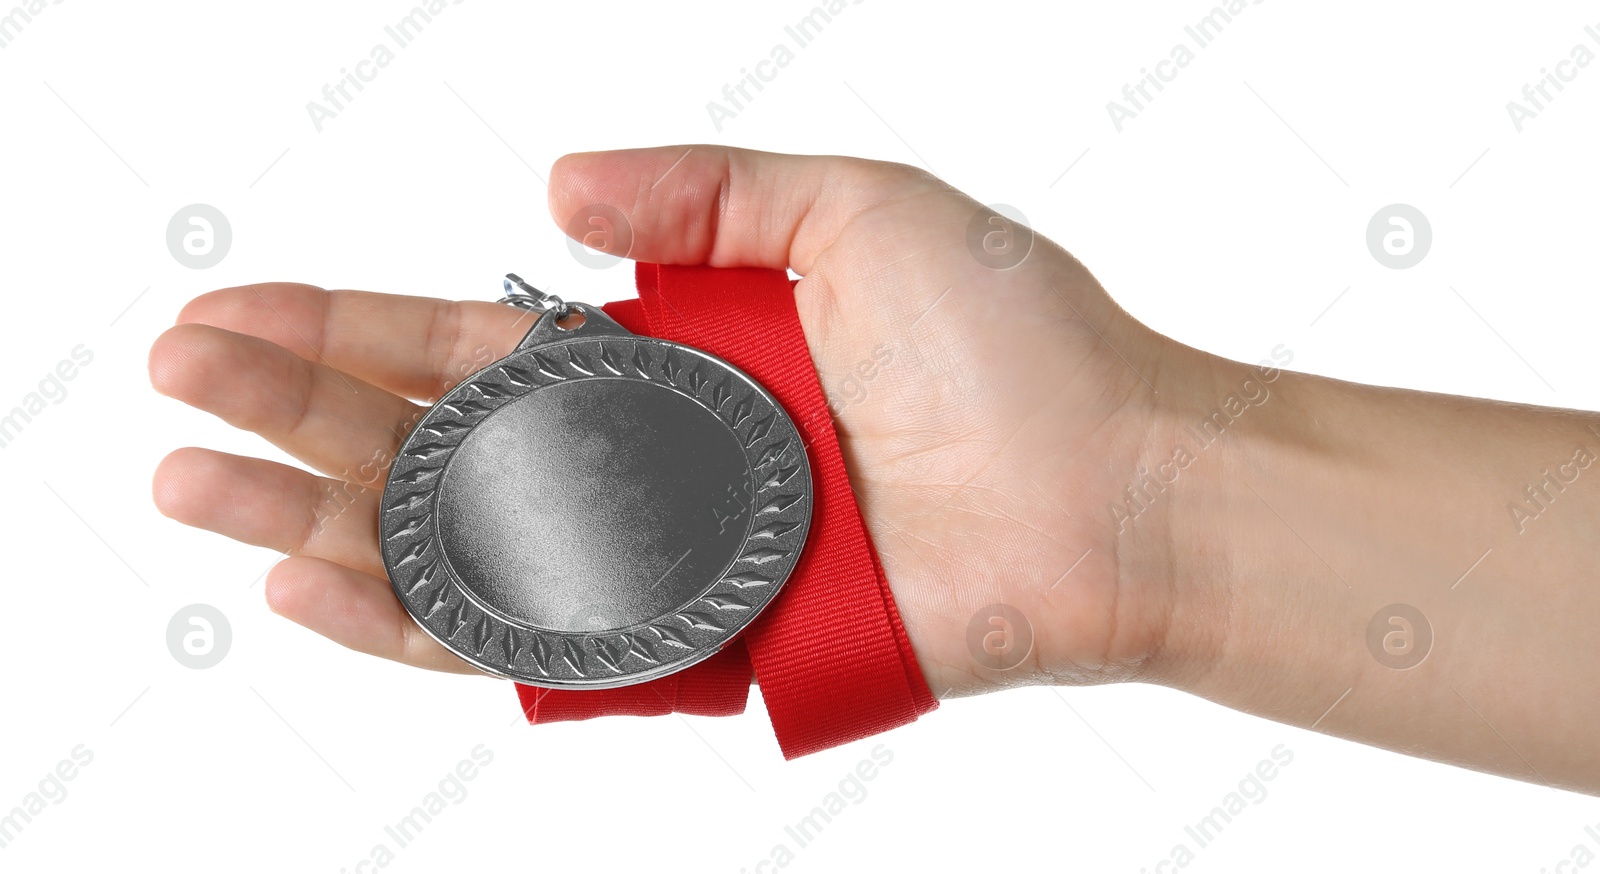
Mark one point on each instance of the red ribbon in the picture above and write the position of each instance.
(831, 654)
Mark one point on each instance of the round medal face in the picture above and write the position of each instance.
(596, 509)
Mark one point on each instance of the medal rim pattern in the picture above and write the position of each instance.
(612, 658)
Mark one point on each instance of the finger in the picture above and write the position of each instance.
(718, 205)
(354, 610)
(264, 503)
(415, 347)
(338, 424)
(728, 207)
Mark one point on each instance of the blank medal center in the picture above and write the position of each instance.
(594, 504)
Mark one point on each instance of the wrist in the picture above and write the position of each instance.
(1314, 511)
(1221, 429)
(1323, 504)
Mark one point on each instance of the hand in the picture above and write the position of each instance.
(988, 416)
(993, 422)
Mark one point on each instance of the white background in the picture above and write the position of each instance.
(1231, 213)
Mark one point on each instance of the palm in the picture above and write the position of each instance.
(982, 452)
(981, 411)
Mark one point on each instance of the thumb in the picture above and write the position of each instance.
(721, 206)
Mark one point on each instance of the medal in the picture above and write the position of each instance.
(596, 509)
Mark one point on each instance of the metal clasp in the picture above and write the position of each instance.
(524, 296)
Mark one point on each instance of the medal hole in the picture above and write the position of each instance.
(572, 321)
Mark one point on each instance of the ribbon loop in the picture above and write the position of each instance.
(831, 653)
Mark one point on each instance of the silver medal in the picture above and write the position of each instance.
(597, 508)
